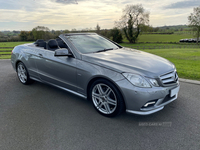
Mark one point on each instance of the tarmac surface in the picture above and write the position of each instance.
(42, 117)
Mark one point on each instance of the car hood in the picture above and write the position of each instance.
(130, 60)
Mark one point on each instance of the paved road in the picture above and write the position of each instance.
(41, 117)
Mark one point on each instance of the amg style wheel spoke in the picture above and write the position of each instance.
(100, 89)
(99, 106)
(110, 101)
(96, 95)
(107, 107)
(108, 91)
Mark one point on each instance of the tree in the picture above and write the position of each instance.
(30, 36)
(156, 29)
(23, 35)
(41, 32)
(26, 36)
(146, 28)
(194, 21)
(73, 30)
(116, 35)
(106, 33)
(134, 17)
(1, 34)
(66, 31)
(98, 28)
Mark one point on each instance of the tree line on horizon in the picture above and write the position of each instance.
(41, 32)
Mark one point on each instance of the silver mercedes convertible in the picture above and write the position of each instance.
(112, 77)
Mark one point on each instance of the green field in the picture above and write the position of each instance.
(161, 37)
(12, 44)
(187, 60)
(5, 53)
(6, 48)
(142, 46)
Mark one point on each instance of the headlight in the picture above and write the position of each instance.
(154, 82)
(137, 80)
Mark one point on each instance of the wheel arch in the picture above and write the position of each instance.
(17, 62)
(102, 77)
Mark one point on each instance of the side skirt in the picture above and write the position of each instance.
(60, 87)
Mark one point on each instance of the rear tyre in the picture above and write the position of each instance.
(22, 74)
(106, 98)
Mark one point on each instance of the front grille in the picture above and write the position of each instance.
(169, 78)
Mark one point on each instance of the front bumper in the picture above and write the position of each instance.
(145, 101)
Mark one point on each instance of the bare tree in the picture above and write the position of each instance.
(133, 19)
(194, 21)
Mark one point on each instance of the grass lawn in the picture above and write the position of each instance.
(161, 37)
(5, 56)
(5, 53)
(12, 44)
(5, 50)
(142, 46)
(156, 44)
(187, 61)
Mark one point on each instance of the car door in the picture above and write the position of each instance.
(57, 70)
(30, 63)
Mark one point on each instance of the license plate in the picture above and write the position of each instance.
(174, 91)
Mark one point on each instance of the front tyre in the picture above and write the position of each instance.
(106, 98)
(22, 74)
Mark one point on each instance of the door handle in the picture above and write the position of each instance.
(40, 55)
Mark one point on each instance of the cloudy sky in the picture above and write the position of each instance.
(81, 14)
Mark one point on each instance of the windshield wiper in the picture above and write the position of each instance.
(103, 50)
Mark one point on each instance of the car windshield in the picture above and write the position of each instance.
(91, 43)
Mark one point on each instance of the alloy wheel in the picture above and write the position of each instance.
(22, 74)
(104, 98)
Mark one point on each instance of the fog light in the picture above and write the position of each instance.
(149, 104)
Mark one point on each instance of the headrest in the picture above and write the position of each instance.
(38, 41)
(52, 44)
(42, 44)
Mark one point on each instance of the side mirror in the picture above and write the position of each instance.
(62, 52)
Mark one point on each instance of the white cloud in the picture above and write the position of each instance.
(61, 14)
(183, 4)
